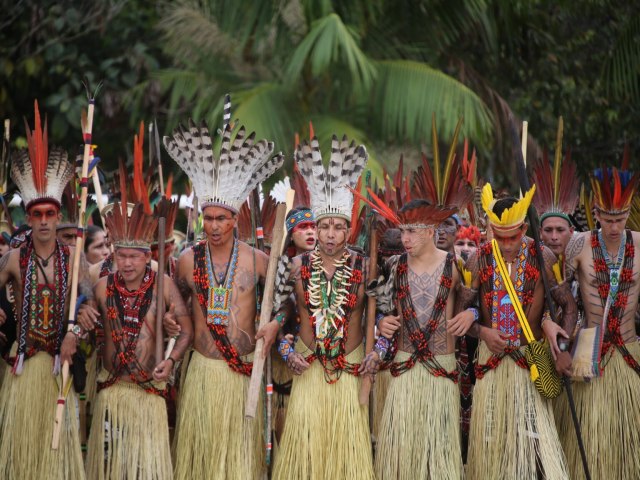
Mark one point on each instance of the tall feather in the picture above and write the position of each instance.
(557, 162)
(38, 144)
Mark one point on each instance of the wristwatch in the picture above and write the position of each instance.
(77, 331)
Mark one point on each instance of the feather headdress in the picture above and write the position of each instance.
(558, 189)
(445, 187)
(267, 219)
(70, 206)
(613, 189)
(511, 218)
(227, 180)
(168, 209)
(328, 190)
(136, 230)
(41, 174)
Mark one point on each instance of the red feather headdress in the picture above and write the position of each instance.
(613, 189)
(130, 231)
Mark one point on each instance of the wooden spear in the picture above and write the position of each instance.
(84, 182)
(265, 314)
(367, 380)
(160, 291)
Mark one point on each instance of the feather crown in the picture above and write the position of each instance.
(41, 174)
(70, 205)
(136, 230)
(613, 189)
(558, 191)
(511, 218)
(227, 180)
(330, 191)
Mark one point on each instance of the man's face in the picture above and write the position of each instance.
(67, 236)
(132, 263)
(304, 236)
(218, 224)
(332, 235)
(447, 234)
(415, 240)
(556, 233)
(612, 225)
(464, 247)
(510, 243)
(43, 219)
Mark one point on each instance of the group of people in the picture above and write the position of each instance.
(461, 326)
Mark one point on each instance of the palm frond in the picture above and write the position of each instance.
(407, 93)
(330, 42)
(621, 73)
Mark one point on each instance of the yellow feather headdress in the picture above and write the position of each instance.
(512, 217)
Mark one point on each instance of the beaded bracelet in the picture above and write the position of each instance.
(285, 349)
(476, 313)
(382, 346)
(280, 318)
(379, 316)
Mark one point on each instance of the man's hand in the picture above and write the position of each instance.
(563, 363)
(461, 323)
(371, 364)
(551, 330)
(389, 325)
(268, 332)
(88, 317)
(68, 348)
(297, 363)
(170, 322)
(163, 370)
(495, 340)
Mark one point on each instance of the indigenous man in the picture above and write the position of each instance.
(447, 233)
(67, 229)
(419, 434)
(326, 434)
(220, 274)
(129, 433)
(467, 241)
(513, 434)
(39, 272)
(606, 263)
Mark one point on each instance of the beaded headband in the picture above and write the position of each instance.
(298, 218)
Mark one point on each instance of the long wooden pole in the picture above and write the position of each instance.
(367, 381)
(160, 291)
(265, 315)
(84, 182)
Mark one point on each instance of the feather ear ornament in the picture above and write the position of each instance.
(40, 173)
(330, 191)
(226, 180)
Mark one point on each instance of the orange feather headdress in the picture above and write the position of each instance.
(613, 189)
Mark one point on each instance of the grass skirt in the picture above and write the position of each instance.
(27, 413)
(380, 390)
(129, 435)
(608, 409)
(420, 428)
(280, 374)
(91, 388)
(213, 438)
(513, 434)
(327, 431)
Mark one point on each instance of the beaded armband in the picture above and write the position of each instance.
(379, 316)
(280, 318)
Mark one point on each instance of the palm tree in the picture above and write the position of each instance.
(345, 66)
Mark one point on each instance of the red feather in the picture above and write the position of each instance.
(38, 143)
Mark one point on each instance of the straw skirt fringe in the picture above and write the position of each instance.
(420, 427)
(27, 413)
(91, 388)
(513, 434)
(608, 409)
(129, 435)
(213, 438)
(326, 435)
(380, 391)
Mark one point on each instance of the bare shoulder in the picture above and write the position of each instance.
(185, 261)
(636, 238)
(10, 262)
(576, 245)
(100, 288)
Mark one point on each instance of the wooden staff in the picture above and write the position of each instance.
(4, 167)
(97, 188)
(367, 380)
(265, 315)
(160, 291)
(84, 182)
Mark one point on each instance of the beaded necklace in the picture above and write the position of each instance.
(618, 288)
(107, 266)
(126, 320)
(218, 330)
(420, 337)
(334, 317)
(220, 297)
(38, 322)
